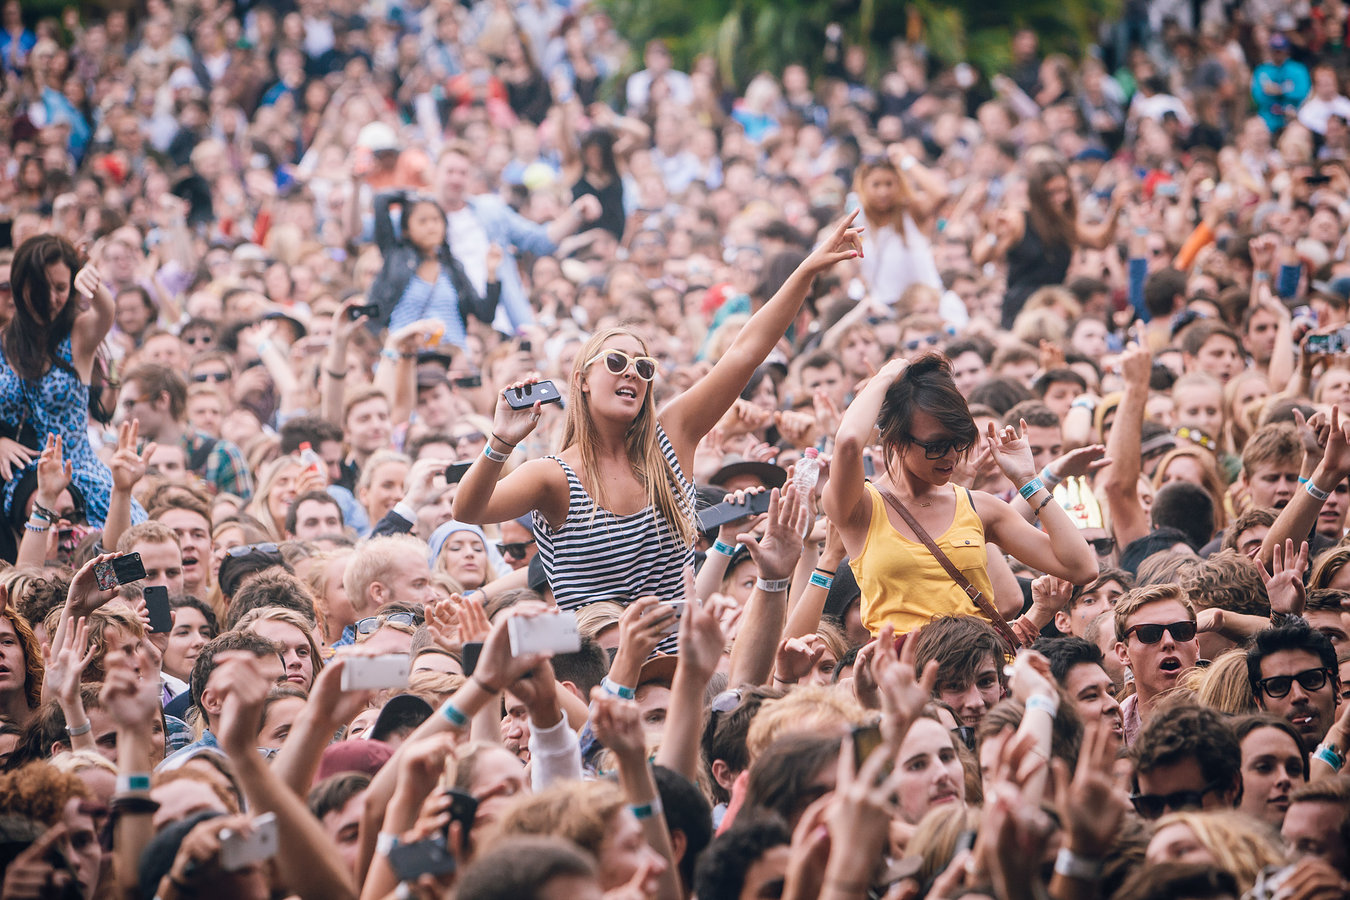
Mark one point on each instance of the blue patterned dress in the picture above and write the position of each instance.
(59, 404)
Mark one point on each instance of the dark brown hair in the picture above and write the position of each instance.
(1055, 226)
(925, 385)
(33, 335)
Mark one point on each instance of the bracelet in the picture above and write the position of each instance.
(453, 715)
(613, 688)
(385, 842)
(1071, 865)
(495, 455)
(134, 805)
(1050, 478)
(1044, 503)
(336, 376)
(774, 585)
(263, 346)
(132, 783)
(1262, 276)
(484, 685)
(1316, 492)
(723, 548)
(1141, 231)
(492, 436)
(822, 581)
(44, 513)
(36, 529)
(389, 354)
(80, 729)
(647, 810)
(1031, 487)
(1045, 703)
(1329, 755)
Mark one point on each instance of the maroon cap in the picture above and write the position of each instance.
(356, 755)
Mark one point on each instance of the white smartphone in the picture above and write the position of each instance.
(550, 633)
(678, 606)
(375, 673)
(240, 850)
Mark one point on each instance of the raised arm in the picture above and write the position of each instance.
(775, 555)
(701, 644)
(845, 497)
(1295, 522)
(333, 374)
(1121, 480)
(93, 322)
(690, 416)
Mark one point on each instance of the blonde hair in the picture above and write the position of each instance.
(258, 506)
(581, 811)
(660, 483)
(76, 761)
(808, 709)
(1214, 484)
(292, 618)
(1223, 684)
(904, 197)
(1239, 844)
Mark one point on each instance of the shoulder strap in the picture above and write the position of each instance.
(977, 597)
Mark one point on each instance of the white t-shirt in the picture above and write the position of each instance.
(1314, 113)
(469, 243)
(890, 265)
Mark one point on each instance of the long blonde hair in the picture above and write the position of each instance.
(1240, 845)
(904, 197)
(644, 450)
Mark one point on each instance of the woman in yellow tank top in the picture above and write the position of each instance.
(926, 429)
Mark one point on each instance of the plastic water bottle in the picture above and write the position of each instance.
(311, 460)
(808, 471)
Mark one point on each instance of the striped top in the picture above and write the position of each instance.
(424, 300)
(597, 555)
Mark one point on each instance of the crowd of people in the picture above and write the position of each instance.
(447, 451)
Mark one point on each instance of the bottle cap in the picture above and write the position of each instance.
(811, 453)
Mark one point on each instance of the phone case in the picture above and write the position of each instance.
(157, 605)
(375, 673)
(551, 633)
(238, 851)
(539, 392)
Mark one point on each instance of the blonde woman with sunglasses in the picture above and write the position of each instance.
(614, 509)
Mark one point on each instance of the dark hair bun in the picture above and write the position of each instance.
(927, 364)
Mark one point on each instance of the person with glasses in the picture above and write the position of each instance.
(517, 545)
(926, 430)
(1187, 757)
(614, 509)
(1293, 673)
(1156, 639)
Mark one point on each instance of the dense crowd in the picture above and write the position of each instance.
(447, 451)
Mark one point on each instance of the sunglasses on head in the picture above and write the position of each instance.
(1150, 634)
(371, 624)
(939, 449)
(1309, 679)
(246, 549)
(617, 362)
(515, 550)
(1151, 806)
(727, 701)
(203, 377)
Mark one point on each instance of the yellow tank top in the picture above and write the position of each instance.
(902, 583)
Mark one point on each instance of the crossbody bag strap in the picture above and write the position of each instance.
(976, 596)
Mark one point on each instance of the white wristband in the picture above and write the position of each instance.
(770, 587)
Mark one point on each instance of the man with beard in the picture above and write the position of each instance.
(1293, 674)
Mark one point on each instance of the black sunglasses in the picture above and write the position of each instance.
(203, 377)
(1151, 806)
(1308, 679)
(471, 436)
(1103, 546)
(246, 549)
(6, 287)
(917, 343)
(1150, 634)
(939, 449)
(371, 624)
(515, 550)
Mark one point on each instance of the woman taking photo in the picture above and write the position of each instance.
(61, 314)
(421, 278)
(613, 510)
(926, 430)
(1039, 242)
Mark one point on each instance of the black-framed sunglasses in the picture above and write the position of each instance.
(471, 437)
(1103, 546)
(1151, 806)
(939, 449)
(1150, 634)
(516, 549)
(1309, 679)
(371, 624)
(246, 549)
(217, 377)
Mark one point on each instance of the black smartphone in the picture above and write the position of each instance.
(1317, 179)
(468, 656)
(721, 513)
(369, 311)
(530, 394)
(157, 605)
(455, 471)
(467, 382)
(463, 809)
(122, 570)
(429, 857)
(866, 738)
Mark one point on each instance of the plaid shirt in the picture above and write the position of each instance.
(225, 470)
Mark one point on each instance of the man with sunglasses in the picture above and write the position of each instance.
(1157, 641)
(1293, 673)
(517, 545)
(1188, 757)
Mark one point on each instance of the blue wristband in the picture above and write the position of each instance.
(1327, 754)
(454, 716)
(1049, 478)
(609, 686)
(1031, 487)
(647, 810)
(723, 548)
(820, 580)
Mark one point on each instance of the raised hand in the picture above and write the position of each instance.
(1012, 452)
(67, 656)
(14, 458)
(797, 657)
(904, 692)
(85, 595)
(617, 724)
(844, 242)
(641, 627)
(88, 283)
(776, 553)
(1336, 459)
(128, 466)
(53, 473)
(35, 872)
(472, 619)
(701, 641)
(1136, 365)
(1081, 462)
(1090, 808)
(130, 700)
(442, 624)
(512, 426)
(1284, 581)
(243, 689)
